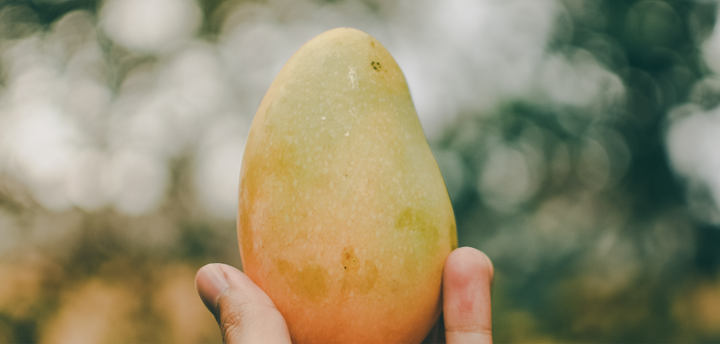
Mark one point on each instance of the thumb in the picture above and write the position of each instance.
(467, 278)
(244, 312)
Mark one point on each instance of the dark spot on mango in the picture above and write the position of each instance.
(375, 65)
(372, 44)
(417, 220)
(405, 219)
(367, 278)
(358, 278)
(349, 260)
(424, 238)
(309, 282)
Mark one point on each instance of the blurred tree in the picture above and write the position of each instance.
(602, 241)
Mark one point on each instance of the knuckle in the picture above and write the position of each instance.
(230, 325)
(470, 329)
(239, 315)
(232, 316)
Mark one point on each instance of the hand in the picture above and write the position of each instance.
(247, 315)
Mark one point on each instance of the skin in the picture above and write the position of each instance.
(246, 314)
(344, 220)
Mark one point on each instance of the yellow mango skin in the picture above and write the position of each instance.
(344, 219)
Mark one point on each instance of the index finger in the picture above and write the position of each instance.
(467, 278)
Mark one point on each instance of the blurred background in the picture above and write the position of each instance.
(579, 141)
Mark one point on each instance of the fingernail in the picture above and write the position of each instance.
(210, 283)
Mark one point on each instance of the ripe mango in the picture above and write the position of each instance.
(344, 219)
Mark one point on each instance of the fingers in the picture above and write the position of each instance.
(467, 278)
(245, 313)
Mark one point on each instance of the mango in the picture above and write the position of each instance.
(344, 219)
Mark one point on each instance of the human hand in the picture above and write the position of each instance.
(247, 315)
